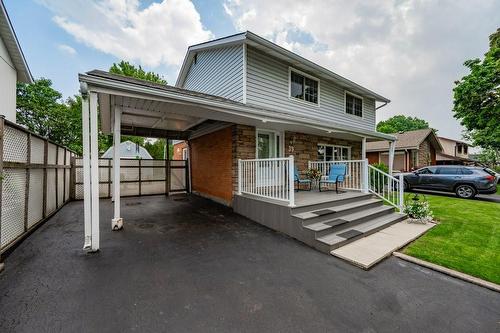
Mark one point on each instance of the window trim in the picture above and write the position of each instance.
(362, 105)
(298, 100)
(349, 151)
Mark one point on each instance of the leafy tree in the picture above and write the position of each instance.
(127, 69)
(477, 98)
(401, 123)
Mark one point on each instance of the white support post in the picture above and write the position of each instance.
(117, 221)
(291, 181)
(365, 175)
(87, 205)
(239, 176)
(363, 148)
(94, 171)
(401, 193)
(392, 147)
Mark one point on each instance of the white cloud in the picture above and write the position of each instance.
(158, 34)
(66, 49)
(409, 51)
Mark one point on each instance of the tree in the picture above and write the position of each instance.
(477, 98)
(127, 69)
(40, 108)
(401, 123)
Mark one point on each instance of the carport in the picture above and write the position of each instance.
(126, 106)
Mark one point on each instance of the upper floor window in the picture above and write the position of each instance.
(304, 87)
(353, 104)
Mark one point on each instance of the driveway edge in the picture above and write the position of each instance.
(450, 272)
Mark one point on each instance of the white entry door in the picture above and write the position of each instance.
(269, 145)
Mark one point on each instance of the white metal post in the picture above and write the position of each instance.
(365, 175)
(392, 147)
(239, 176)
(401, 192)
(94, 171)
(87, 205)
(363, 148)
(117, 221)
(291, 182)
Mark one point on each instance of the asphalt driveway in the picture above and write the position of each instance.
(194, 266)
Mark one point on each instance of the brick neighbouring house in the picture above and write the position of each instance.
(414, 149)
(180, 150)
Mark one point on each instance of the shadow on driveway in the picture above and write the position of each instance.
(480, 197)
(195, 266)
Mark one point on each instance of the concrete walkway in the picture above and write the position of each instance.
(370, 250)
(195, 266)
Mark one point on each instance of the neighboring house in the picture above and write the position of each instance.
(181, 150)
(414, 149)
(129, 150)
(454, 152)
(13, 66)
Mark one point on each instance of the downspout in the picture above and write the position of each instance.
(381, 106)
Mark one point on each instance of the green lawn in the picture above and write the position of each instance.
(498, 189)
(466, 239)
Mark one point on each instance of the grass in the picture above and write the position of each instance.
(466, 239)
(498, 189)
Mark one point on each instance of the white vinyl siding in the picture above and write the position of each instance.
(268, 87)
(8, 79)
(217, 72)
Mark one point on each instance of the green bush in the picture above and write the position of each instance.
(373, 175)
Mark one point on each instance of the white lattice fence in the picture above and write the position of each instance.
(35, 181)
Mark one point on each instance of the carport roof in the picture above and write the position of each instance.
(194, 107)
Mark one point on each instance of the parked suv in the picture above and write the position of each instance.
(466, 182)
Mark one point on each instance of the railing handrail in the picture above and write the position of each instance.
(382, 172)
(267, 159)
(342, 161)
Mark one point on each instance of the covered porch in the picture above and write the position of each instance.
(134, 107)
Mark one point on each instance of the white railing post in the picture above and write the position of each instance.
(365, 175)
(401, 193)
(291, 182)
(239, 176)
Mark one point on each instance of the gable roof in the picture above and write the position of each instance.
(8, 36)
(277, 51)
(407, 140)
(453, 140)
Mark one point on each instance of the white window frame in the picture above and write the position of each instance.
(281, 135)
(302, 101)
(349, 151)
(346, 92)
(185, 153)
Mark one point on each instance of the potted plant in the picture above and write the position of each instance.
(314, 175)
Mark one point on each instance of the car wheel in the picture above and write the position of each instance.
(465, 191)
(406, 186)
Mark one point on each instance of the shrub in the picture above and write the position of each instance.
(419, 210)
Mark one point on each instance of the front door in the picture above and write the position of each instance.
(269, 145)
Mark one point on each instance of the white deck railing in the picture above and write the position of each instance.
(387, 187)
(354, 172)
(271, 178)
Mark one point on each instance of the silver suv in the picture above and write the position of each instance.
(466, 182)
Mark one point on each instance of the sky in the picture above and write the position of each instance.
(409, 51)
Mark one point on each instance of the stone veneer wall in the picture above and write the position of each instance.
(424, 154)
(305, 147)
(243, 138)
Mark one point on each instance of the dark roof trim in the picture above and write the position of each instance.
(11, 42)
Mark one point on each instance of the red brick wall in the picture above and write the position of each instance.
(212, 166)
(178, 150)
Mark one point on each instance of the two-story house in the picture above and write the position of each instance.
(13, 66)
(255, 117)
(454, 152)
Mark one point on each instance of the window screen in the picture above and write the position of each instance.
(303, 88)
(353, 105)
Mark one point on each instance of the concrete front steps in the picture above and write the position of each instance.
(325, 221)
(328, 226)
